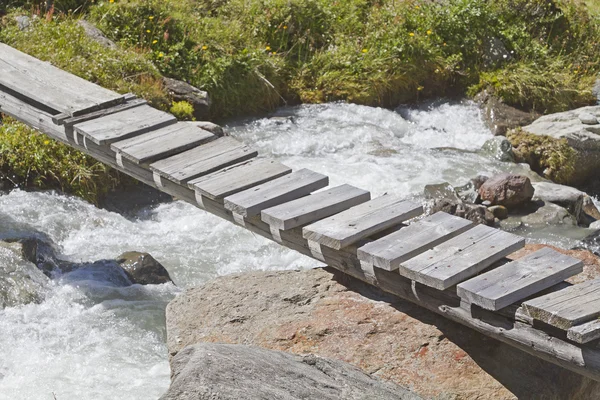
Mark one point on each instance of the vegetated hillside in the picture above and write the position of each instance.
(254, 55)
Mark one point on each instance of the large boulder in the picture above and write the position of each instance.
(21, 282)
(96, 34)
(143, 269)
(182, 91)
(508, 190)
(328, 313)
(500, 117)
(574, 126)
(228, 371)
(549, 214)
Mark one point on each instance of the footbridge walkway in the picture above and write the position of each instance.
(441, 262)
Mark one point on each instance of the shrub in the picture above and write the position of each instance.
(183, 110)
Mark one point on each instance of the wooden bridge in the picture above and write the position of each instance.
(441, 262)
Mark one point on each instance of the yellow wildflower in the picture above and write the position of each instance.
(147, 30)
(151, 18)
(161, 54)
(268, 48)
(364, 50)
(111, 1)
(429, 32)
(419, 88)
(274, 52)
(411, 34)
(204, 47)
(285, 27)
(154, 41)
(46, 142)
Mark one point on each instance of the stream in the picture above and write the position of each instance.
(89, 338)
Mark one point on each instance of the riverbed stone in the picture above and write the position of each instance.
(549, 214)
(499, 212)
(232, 371)
(21, 282)
(590, 209)
(508, 190)
(143, 269)
(330, 314)
(500, 117)
(565, 196)
(499, 148)
(588, 119)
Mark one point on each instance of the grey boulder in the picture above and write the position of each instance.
(237, 372)
(565, 196)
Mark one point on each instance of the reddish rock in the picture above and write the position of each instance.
(330, 314)
(507, 190)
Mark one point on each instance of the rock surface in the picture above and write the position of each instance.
(143, 269)
(330, 314)
(21, 282)
(182, 91)
(96, 34)
(565, 196)
(499, 148)
(228, 372)
(549, 214)
(507, 190)
(582, 137)
(500, 117)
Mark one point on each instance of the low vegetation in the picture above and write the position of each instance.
(254, 55)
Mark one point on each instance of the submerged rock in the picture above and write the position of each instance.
(330, 314)
(499, 148)
(508, 190)
(229, 371)
(143, 269)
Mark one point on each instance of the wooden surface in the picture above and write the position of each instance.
(162, 143)
(314, 207)
(390, 251)
(565, 308)
(461, 257)
(358, 222)
(519, 279)
(68, 122)
(124, 124)
(586, 332)
(234, 179)
(50, 86)
(251, 202)
(203, 160)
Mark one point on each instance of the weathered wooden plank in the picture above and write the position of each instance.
(519, 279)
(311, 208)
(568, 307)
(162, 143)
(390, 251)
(203, 160)
(358, 222)
(100, 113)
(251, 202)
(48, 85)
(124, 125)
(585, 333)
(461, 257)
(236, 178)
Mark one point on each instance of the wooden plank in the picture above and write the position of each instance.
(251, 202)
(123, 125)
(568, 307)
(358, 222)
(68, 122)
(162, 143)
(314, 207)
(48, 85)
(392, 250)
(461, 257)
(585, 333)
(519, 279)
(234, 179)
(203, 160)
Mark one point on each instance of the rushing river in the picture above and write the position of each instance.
(90, 339)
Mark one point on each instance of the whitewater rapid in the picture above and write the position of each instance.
(89, 339)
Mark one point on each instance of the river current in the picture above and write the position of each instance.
(91, 339)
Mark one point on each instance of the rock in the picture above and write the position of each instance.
(23, 22)
(486, 203)
(330, 314)
(443, 197)
(109, 272)
(584, 139)
(499, 148)
(479, 180)
(468, 193)
(96, 34)
(590, 209)
(499, 212)
(209, 126)
(588, 119)
(441, 191)
(549, 214)
(131, 199)
(229, 371)
(565, 196)
(595, 225)
(142, 268)
(500, 117)
(182, 91)
(21, 282)
(507, 190)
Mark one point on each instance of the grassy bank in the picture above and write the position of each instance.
(254, 55)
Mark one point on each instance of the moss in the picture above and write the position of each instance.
(183, 110)
(550, 157)
(29, 159)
